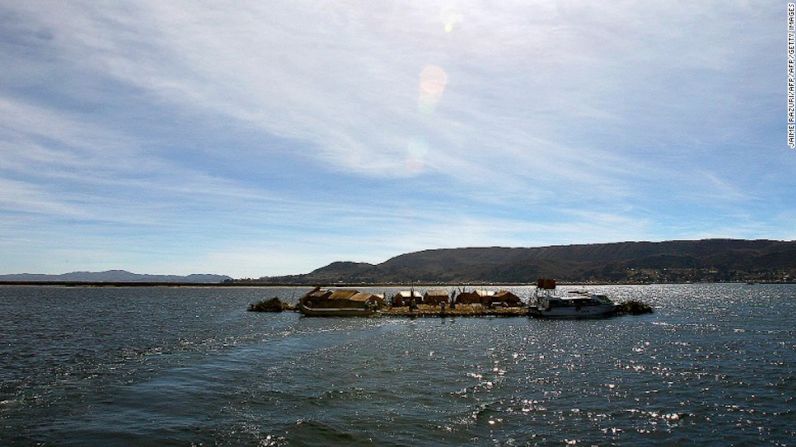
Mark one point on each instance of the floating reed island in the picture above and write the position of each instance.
(463, 310)
(270, 305)
(442, 303)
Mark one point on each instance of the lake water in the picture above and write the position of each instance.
(715, 365)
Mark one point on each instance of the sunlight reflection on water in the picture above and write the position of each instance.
(114, 366)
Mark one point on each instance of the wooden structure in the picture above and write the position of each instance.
(546, 283)
(340, 298)
(404, 297)
(468, 298)
(436, 296)
(502, 298)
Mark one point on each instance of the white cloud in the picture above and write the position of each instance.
(23, 196)
(350, 86)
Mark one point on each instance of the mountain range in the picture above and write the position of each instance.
(115, 276)
(706, 260)
(643, 262)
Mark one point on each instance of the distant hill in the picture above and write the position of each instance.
(669, 261)
(115, 276)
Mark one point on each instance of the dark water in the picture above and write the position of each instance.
(715, 365)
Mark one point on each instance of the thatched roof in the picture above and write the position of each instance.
(435, 296)
(502, 296)
(409, 294)
(341, 298)
(468, 298)
(319, 293)
(342, 294)
(437, 292)
(505, 294)
(366, 297)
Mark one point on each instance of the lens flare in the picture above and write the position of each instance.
(450, 18)
(416, 151)
(433, 80)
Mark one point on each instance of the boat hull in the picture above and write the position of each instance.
(573, 312)
(336, 311)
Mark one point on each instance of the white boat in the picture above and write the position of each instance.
(546, 303)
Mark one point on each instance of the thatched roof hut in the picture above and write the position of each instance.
(435, 297)
(362, 297)
(403, 297)
(342, 298)
(468, 298)
(343, 294)
(317, 293)
(502, 297)
(337, 298)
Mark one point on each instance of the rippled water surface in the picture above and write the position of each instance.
(179, 366)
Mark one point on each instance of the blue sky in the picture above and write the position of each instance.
(272, 138)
